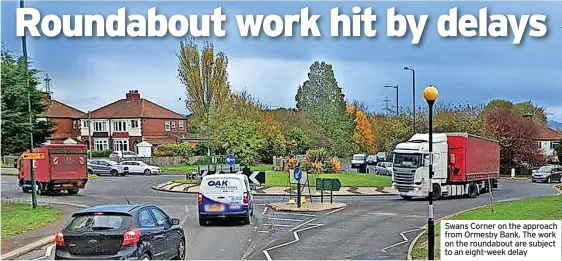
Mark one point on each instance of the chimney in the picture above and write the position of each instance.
(133, 95)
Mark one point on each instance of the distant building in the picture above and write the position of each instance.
(67, 121)
(123, 124)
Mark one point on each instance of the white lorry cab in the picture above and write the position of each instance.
(225, 196)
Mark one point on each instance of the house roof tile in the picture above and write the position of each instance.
(58, 109)
(133, 106)
(545, 133)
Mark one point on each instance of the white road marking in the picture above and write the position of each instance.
(264, 211)
(335, 210)
(186, 215)
(396, 214)
(295, 234)
(279, 225)
(285, 219)
(404, 237)
(263, 231)
(296, 214)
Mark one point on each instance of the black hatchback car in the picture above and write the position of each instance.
(119, 232)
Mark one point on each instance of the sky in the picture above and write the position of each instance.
(88, 73)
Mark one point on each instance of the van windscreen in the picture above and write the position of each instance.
(221, 184)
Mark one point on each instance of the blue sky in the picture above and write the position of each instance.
(91, 72)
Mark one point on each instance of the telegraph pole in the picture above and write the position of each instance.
(386, 100)
(31, 165)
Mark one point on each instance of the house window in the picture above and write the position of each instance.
(180, 125)
(100, 145)
(173, 125)
(553, 145)
(121, 145)
(120, 126)
(167, 126)
(134, 124)
(539, 145)
(100, 126)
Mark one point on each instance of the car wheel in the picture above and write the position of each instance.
(90, 171)
(547, 180)
(147, 172)
(113, 172)
(560, 179)
(406, 197)
(181, 251)
(145, 257)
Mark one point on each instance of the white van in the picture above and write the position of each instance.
(225, 196)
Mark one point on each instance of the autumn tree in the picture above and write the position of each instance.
(275, 143)
(516, 136)
(196, 67)
(321, 98)
(16, 126)
(363, 138)
(459, 118)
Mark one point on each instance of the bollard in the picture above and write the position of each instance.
(513, 172)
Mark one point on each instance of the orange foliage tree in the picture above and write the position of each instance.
(363, 137)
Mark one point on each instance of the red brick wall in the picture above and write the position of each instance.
(64, 128)
(156, 127)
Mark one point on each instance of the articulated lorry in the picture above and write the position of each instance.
(463, 165)
(64, 167)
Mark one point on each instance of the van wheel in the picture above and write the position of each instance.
(202, 221)
(72, 191)
(246, 220)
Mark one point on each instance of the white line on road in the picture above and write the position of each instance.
(264, 211)
(335, 210)
(295, 214)
(285, 219)
(279, 225)
(395, 214)
(297, 239)
(404, 237)
(186, 215)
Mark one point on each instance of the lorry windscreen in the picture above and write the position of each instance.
(407, 160)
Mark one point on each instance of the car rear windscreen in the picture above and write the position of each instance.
(99, 221)
(221, 185)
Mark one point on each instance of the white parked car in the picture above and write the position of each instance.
(121, 155)
(141, 167)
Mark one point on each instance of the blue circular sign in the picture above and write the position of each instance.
(230, 160)
(297, 173)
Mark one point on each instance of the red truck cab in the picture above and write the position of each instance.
(64, 167)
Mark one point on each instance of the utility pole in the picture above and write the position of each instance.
(413, 95)
(395, 87)
(89, 134)
(386, 100)
(31, 168)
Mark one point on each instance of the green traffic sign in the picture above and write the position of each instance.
(328, 184)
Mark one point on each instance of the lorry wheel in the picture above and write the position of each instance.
(436, 191)
(473, 191)
(72, 191)
(406, 197)
(25, 189)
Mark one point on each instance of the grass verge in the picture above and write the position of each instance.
(540, 208)
(18, 218)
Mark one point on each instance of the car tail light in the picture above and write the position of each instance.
(200, 199)
(245, 200)
(131, 237)
(59, 239)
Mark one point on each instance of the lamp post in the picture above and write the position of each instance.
(430, 95)
(413, 95)
(395, 87)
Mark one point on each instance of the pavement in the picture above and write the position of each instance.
(369, 227)
(171, 186)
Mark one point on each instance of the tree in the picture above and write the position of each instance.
(292, 119)
(321, 98)
(516, 136)
(364, 140)
(521, 109)
(459, 118)
(275, 143)
(15, 115)
(195, 66)
(298, 141)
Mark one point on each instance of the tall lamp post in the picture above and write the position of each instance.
(413, 95)
(395, 87)
(430, 95)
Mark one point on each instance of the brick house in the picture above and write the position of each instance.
(123, 124)
(66, 118)
(548, 139)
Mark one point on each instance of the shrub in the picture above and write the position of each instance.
(205, 160)
(318, 155)
(176, 149)
(101, 153)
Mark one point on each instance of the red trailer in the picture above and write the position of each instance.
(472, 158)
(64, 167)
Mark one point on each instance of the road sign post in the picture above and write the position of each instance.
(31, 157)
(230, 160)
(297, 173)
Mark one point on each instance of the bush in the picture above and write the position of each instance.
(101, 153)
(205, 160)
(176, 149)
(318, 155)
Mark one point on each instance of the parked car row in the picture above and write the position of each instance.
(547, 174)
(109, 167)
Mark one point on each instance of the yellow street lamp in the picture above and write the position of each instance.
(430, 94)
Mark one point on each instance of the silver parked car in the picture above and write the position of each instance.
(548, 174)
(103, 166)
(384, 168)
